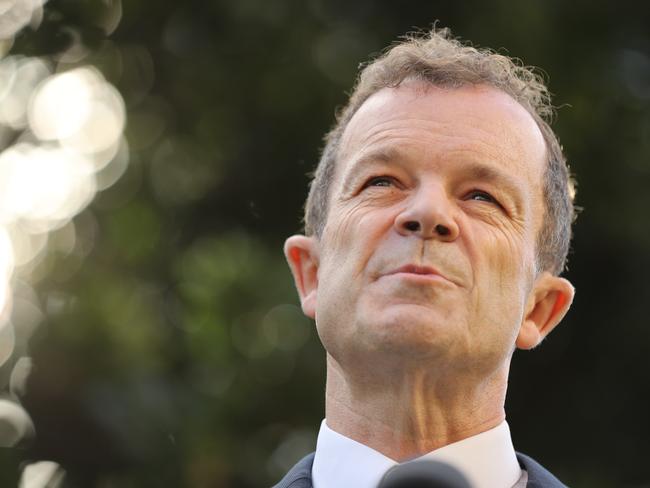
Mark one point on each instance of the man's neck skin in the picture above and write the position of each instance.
(408, 416)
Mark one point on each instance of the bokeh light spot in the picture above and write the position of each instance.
(44, 184)
(16, 14)
(23, 74)
(15, 424)
(6, 269)
(7, 341)
(42, 474)
(286, 327)
(19, 375)
(79, 109)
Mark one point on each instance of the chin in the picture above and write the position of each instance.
(409, 330)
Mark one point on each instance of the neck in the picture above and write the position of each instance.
(413, 412)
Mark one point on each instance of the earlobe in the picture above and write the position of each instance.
(548, 303)
(302, 255)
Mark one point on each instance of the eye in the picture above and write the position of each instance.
(379, 181)
(482, 196)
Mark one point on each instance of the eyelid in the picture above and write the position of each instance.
(368, 182)
(482, 192)
(496, 201)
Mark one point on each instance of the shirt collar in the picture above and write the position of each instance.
(487, 459)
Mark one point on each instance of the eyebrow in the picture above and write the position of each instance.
(471, 169)
(484, 173)
(391, 155)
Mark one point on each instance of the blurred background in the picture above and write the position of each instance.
(153, 157)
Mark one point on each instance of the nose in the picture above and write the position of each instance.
(429, 215)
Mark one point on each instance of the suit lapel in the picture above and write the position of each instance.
(538, 477)
(300, 474)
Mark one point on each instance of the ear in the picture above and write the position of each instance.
(548, 302)
(302, 255)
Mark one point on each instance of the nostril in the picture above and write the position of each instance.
(442, 230)
(412, 226)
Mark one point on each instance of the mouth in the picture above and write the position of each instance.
(415, 269)
(418, 273)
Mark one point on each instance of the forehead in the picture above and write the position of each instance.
(473, 121)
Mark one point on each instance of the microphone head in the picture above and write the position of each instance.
(424, 474)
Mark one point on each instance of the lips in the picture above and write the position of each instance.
(418, 273)
(415, 269)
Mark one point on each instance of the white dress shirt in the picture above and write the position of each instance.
(488, 460)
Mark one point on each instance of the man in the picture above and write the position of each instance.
(437, 224)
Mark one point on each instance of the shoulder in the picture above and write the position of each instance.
(300, 475)
(538, 477)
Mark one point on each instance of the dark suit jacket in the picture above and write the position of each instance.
(538, 477)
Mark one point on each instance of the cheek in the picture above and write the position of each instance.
(502, 264)
(351, 235)
(349, 240)
(502, 255)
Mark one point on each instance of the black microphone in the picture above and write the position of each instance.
(424, 474)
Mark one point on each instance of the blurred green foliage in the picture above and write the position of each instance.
(173, 351)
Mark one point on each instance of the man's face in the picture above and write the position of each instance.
(429, 247)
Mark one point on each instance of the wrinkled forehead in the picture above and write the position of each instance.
(480, 115)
